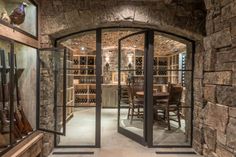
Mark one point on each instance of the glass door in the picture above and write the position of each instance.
(172, 85)
(131, 86)
(51, 83)
(83, 90)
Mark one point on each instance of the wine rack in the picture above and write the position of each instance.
(139, 65)
(165, 68)
(70, 86)
(84, 80)
(174, 67)
(85, 95)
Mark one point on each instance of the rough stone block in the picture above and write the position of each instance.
(228, 11)
(220, 78)
(198, 89)
(207, 43)
(210, 93)
(224, 66)
(198, 135)
(221, 138)
(209, 60)
(226, 95)
(197, 147)
(233, 30)
(209, 27)
(218, 25)
(221, 39)
(221, 151)
(223, 57)
(232, 112)
(198, 68)
(197, 116)
(216, 116)
(225, 2)
(210, 137)
(209, 4)
(231, 133)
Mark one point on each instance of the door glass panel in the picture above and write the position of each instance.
(131, 74)
(80, 91)
(51, 109)
(172, 83)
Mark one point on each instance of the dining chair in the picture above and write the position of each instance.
(171, 106)
(135, 104)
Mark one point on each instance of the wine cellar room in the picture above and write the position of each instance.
(169, 67)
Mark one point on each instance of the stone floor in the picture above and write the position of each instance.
(83, 123)
(113, 143)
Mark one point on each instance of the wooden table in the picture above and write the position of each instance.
(155, 94)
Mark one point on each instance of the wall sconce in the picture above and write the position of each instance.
(129, 61)
(107, 59)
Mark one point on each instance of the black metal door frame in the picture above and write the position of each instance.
(38, 84)
(142, 140)
(98, 96)
(149, 44)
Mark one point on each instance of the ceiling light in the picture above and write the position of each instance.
(82, 48)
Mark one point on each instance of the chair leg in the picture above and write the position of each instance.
(138, 115)
(178, 114)
(128, 113)
(132, 115)
(164, 115)
(168, 119)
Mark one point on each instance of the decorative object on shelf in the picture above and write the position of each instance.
(18, 15)
(5, 17)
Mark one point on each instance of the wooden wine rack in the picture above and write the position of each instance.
(163, 68)
(84, 80)
(70, 87)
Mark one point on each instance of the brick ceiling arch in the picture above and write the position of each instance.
(182, 17)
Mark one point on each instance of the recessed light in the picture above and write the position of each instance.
(82, 48)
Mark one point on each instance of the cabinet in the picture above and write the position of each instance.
(109, 96)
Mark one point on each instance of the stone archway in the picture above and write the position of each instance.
(60, 18)
(214, 78)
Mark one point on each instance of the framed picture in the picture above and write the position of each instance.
(115, 77)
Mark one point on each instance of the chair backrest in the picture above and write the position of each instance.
(175, 94)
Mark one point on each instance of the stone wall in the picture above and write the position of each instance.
(215, 111)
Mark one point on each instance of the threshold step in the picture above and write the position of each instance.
(72, 153)
(177, 151)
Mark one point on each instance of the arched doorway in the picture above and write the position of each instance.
(171, 71)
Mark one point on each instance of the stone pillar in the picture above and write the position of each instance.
(215, 116)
